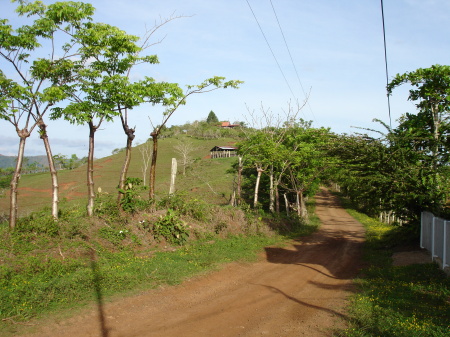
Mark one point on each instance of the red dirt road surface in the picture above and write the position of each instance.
(297, 290)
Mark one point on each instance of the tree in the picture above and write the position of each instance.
(207, 85)
(88, 102)
(431, 90)
(104, 90)
(146, 154)
(390, 174)
(60, 160)
(39, 83)
(212, 118)
(307, 163)
(131, 94)
(258, 149)
(184, 149)
(263, 149)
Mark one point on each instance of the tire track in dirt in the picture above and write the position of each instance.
(296, 290)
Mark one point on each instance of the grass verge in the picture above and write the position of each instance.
(48, 269)
(404, 301)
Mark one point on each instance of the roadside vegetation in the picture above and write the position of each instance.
(407, 301)
(49, 268)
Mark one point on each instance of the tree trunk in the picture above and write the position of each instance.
(272, 192)
(258, 179)
(286, 203)
(435, 147)
(23, 134)
(123, 175)
(239, 181)
(51, 166)
(90, 170)
(233, 198)
(277, 199)
(301, 206)
(152, 177)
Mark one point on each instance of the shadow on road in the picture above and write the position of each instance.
(96, 278)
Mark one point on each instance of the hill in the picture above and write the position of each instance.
(205, 179)
(10, 161)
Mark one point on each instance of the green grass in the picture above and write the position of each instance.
(51, 268)
(58, 284)
(404, 301)
(207, 178)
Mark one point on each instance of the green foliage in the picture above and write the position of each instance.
(64, 162)
(432, 86)
(392, 173)
(396, 301)
(106, 207)
(196, 208)
(131, 200)
(293, 157)
(115, 236)
(171, 228)
(212, 118)
(38, 223)
(5, 181)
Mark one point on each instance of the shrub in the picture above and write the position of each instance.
(131, 200)
(38, 223)
(171, 228)
(197, 209)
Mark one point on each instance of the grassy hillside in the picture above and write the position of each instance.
(206, 179)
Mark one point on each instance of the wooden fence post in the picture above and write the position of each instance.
(173, 175)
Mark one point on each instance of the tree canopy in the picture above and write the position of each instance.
(212, 118)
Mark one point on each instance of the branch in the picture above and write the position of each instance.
(156, 26)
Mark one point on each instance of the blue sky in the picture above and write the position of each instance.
(336, 46)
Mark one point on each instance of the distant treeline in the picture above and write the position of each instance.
(10, 161)
(36, 164)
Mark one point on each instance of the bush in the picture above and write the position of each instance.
(131, 200)
(195, 208)
(38, 223)
(171, 228)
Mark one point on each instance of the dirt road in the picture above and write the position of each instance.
(298, 290)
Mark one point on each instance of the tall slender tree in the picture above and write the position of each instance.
(173, 104)
(39, 83)
(105, 55)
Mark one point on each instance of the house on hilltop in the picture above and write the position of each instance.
(223, 151)
(228, 125)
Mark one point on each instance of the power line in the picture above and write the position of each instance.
(273, 54)
(386, 63)
(292, 60)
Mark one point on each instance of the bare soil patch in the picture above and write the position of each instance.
(297, 290)
(411, 257)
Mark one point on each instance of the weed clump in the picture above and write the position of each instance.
(171, 228)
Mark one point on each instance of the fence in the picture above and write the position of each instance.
(435, 237)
